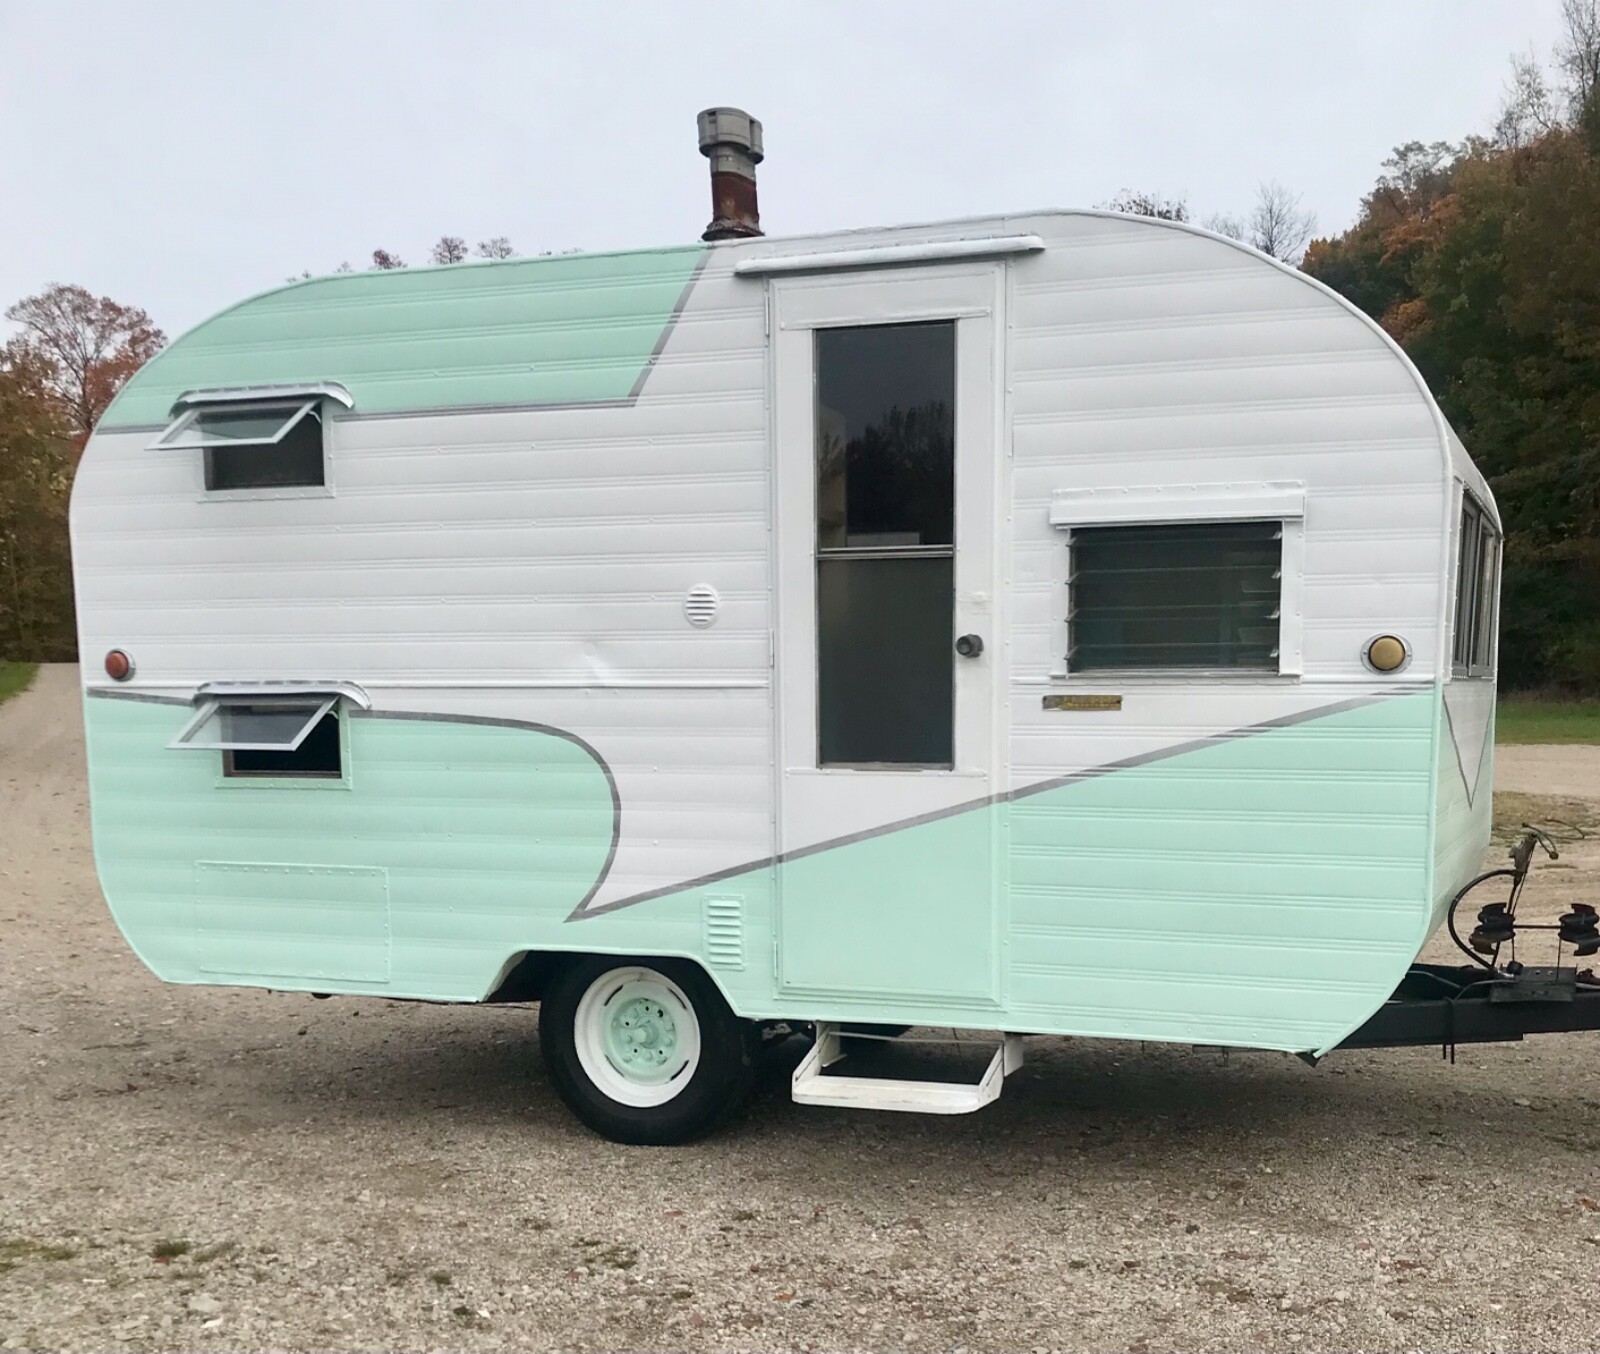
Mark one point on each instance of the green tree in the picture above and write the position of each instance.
(1510, 341)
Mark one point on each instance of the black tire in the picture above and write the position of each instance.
(719, 1082)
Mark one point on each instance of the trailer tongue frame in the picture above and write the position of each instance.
(1488, 1002)
(1462, 1004)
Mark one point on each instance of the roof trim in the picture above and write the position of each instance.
(884, 256)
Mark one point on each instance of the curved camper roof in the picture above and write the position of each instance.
(551, 331)
(566, 329)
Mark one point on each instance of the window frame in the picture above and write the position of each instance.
(317, 399)
(341, 699)
(877, 551)
(176, 436)
(186, 739)
(1280, 502)
(229, 774)
(1475, 604)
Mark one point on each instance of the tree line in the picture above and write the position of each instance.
(1481, 258)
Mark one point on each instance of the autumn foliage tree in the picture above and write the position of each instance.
(86, 346)
(37, 451)
(73, 353)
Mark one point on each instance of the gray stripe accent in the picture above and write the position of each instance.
(672, 323)
(444, 410)
(107, 693)
(104, 693)
(1008, 796)
(1472, 784)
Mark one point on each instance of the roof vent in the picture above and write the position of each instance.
(731, 139)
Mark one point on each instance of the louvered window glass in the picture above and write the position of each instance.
(1192, 595)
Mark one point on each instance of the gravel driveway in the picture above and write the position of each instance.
(215, 1169)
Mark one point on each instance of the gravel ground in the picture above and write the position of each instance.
(216, 1169)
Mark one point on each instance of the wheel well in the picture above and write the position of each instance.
(526, 975)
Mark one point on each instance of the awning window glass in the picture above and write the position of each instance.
(248, 425)
(253, 724)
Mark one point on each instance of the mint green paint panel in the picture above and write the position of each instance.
(563, 330)
(291, 921)
(1263, 891)
(905, 914)
(451, 838)
(1266, 890)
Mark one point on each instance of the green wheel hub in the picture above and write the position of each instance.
(641, 1038)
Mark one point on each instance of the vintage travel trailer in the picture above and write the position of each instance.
(1061, 623)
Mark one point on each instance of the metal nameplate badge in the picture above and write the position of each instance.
(1083, 702)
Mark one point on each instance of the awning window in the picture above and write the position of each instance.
(254, 723)
(242, 425)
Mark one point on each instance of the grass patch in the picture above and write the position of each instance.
(1544, 719)
(15, 677)
(21, 1249)
(170, 1250)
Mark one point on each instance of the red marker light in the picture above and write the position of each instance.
(119, 667)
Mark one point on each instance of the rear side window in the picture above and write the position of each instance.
(1477, 590)
(269, 737)
(262, 445)
(319, 755)
(1200, 595)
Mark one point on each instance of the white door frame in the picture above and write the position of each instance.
(817, 805)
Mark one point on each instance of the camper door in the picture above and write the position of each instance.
(886, 434)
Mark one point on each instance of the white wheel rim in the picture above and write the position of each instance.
(637, 1036)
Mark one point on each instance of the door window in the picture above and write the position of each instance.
(885, 504)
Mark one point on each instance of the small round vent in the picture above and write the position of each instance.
(700, 606)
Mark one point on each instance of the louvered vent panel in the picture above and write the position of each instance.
(700, 606)
(724, 922)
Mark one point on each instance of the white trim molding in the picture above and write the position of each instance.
(1273, 501)
(888, 256)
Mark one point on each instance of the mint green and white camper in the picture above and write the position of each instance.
(1061, 623)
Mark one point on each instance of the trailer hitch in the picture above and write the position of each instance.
(1497, 922)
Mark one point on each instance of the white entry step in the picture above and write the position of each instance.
(812, 1087)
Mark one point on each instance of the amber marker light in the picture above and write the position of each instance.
(119, 667)
(1387, 653)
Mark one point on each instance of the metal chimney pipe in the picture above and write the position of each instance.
(731, 139)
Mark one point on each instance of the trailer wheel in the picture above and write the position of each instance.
(644, 1051)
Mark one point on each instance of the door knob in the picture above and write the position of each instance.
(969, 646)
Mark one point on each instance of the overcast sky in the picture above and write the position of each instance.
(181, 156)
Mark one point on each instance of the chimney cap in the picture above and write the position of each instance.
(730, 127)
